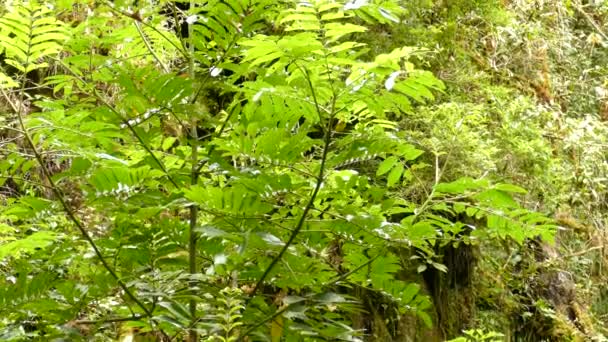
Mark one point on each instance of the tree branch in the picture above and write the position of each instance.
(128, 125)
(68, 210)
(107, 320)
(590, 20)
(309, 205)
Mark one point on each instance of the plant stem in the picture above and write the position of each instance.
(309, 205)
(18, 109)
(125, 121)
(192, 236)
(108, 320)
(353, 271)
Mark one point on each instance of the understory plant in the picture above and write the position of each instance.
(234, 170)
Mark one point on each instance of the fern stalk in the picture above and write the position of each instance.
(193, 208)
(127, 125)
(70, 213)
(18, 109)
(135, 16)
(149, 47)
(192, 238)
(313, 196)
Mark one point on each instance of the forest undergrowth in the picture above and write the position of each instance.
(258, 170)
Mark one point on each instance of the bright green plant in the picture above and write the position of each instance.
(478, 335)
(256, 187)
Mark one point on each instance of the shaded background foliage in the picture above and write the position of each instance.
(417, 233)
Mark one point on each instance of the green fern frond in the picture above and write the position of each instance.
(118, 180)
(28, 244)
(25, 289)
(132, 42)
(220, 23)
(236, 200)
(7, 82)
(28, 34)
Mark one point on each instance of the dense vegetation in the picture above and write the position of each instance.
(257, 170)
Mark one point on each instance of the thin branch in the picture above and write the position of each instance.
(149, 47)
(264, 321)
(192, 235)
(212, 148)
(310, 203)
(437, 169)
(128, 125)
(135, 17)
(7, 127)
(353, 271)
(579, 253)
(314, 96)
(293, 168)
(286, 307)
(590, 20)
(68, 210)
(26, 181)
(54, 126)
(438, 175)
(107, 320)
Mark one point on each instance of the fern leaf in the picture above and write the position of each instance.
(28, 34)
(7, 82)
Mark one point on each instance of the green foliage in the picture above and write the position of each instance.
(478, 335)
(29, 33)
(249, 180)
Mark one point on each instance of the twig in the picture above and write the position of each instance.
(194, 208)
(128, 125)
(264, 321)
(26, 181)
(592, 22)
(68, 210)
(135, 17)
(355, 270)
(107, 320)
(310, 203)
(149, 47)
(579, 253)
(192, 235)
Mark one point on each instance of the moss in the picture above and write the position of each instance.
(411, 329)
(452, 291)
